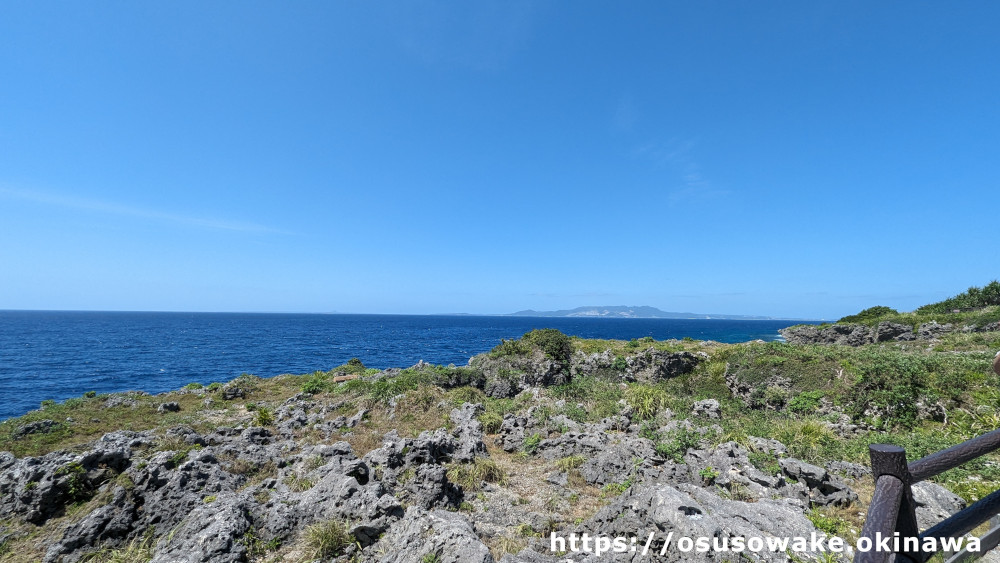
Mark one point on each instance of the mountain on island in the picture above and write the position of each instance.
(629, 312)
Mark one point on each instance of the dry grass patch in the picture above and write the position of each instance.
(325, 540)
(471, 476)
(139, 550)
(425, 408)
(502, 545)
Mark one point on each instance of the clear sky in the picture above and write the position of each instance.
(795, 159)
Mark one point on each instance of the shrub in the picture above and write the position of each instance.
(616, 489)
(708, 473)
(553, 343)
(972, 298)
(77, 486)
(869, 315)
(620, 363)
(889, 384)
(570, 462)
(383, 390)
(530, 445)
(491, 421)
(510, 348)
(316, 382)
(677, 443)
(805, 402)
(828, 523)
(264, 416)
(194, 385)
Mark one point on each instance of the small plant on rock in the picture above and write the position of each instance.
(531, 443)
(326, 540)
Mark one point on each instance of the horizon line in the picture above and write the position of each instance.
(699, 316)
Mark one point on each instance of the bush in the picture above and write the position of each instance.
(75, 482)
(889, 385)
(508, 348)
(555, 344)
(620, 363)
(805, 402)
(530, 445)
(491, 421)
(264, 417)
(972, 298)
(870, 314)
(317, 382)
(678, 443)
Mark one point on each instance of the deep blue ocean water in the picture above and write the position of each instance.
(62, 354)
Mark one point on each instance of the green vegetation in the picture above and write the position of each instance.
(263, 416)
(74, 478)
(976, 306)
(552, 343)
(531, 444)
(677, 443)
(869, 314)
(973, 298)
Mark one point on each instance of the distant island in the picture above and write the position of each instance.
(630, 312)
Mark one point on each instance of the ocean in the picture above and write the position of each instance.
(62, 354)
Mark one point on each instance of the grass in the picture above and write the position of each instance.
(139, 550)
(91, 419)
(471, 476)
(326, 540)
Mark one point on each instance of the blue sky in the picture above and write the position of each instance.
(795, 159)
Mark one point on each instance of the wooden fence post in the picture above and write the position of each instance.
(891, 460)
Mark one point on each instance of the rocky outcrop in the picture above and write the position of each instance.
(690, 511)
(644, 365)
(824, 488)
(858, 334)
(506, 376)
(437, 535)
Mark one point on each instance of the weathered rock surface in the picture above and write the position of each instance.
(645, 365)
(438, 535)
(859, 335)
(688, 510)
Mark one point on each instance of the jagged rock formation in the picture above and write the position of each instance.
(858, 334)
